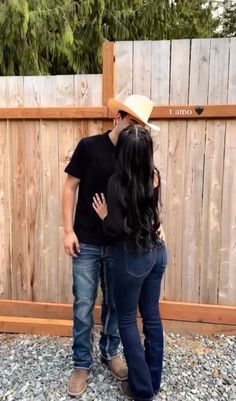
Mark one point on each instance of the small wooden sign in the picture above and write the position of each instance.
(194, 112)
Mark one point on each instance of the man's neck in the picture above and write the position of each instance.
(114, 135)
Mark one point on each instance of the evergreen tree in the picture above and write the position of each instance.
(192, 19)
(35, 36)
(229, 19)
(65, 36)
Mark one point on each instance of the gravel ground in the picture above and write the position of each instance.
(38, 368)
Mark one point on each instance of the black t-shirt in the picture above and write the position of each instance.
(93, 162)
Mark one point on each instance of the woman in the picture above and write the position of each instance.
(132, 216)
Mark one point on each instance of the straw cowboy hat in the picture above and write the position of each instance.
(137, 106)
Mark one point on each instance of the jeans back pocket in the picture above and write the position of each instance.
(137, 264)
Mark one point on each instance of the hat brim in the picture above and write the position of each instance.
(115, 106)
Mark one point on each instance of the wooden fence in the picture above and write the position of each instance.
(193, 85)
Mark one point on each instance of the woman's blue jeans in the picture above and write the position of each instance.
(137, 283)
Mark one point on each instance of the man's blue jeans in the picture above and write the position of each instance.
(92, 264)
(137, 280)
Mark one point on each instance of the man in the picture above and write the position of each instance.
(91, 249)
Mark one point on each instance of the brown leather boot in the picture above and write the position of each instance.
(125, 390)
(78, 382)
(118, 367)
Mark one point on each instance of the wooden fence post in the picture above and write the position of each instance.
(108, 77)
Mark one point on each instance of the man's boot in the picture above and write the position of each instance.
(118, 367)
(78, 382)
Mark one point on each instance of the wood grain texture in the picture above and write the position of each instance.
(5, 213)
(189, 112)
(53, 113)
(108, 73)
(20, 275)
(50, 196)
(194, 167)
(195, 153)
(20, 278)
(50, 212)
(124, 62)
(180, 54)
(182, 311)
(88, 91)
(32, 97)
(5, 200)
(142, 58)
(54, 327)
(66, 143)
(15, 91)
(108, 77)
(227, 284)
(213, 175)
(160, 95)
(174, 112)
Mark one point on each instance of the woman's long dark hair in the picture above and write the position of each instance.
(135, 170)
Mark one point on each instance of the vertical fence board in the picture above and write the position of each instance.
(142, 67)
(32, 97)
(15, 92)
(20, 279)
(227, 285)
(180, 54)
(5, 201)
(5, 214)
(32, 93)
(50, 195)
(95, 127)
(124, 62)
(20, 275)
(108, 70)
(160, 95)
(82, 98)
(213, 174)
(66, 143)
(194, 165)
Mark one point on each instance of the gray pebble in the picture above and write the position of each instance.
(196, 368)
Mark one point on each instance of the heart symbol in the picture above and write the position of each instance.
(199, 109)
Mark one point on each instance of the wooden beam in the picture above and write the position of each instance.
(176, 112)
(53, 113)
(26, 325)
(193, 312)
(194, 112)
(83, 113)
(108, 77)
(57, 327)
(170, 310)
(190, 328)
(42, 310)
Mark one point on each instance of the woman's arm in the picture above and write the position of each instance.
(112, 213)
(156, 183)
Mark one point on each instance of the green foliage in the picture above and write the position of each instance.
(192, 19)
(65, 36)
(35, 36)
(229, 19)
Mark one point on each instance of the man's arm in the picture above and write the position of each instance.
(68, 203)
